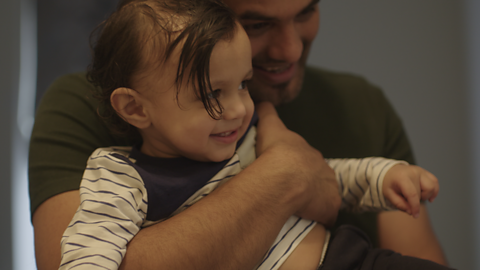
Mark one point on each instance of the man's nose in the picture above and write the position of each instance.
(286, 44)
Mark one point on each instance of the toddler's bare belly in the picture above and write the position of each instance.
(307, 254)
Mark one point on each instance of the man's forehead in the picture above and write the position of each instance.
(268, 9)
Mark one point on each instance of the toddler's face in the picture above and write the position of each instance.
(184, 128)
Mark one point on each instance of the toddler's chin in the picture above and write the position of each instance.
(220, 158)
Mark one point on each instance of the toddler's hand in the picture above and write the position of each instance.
(405, 185)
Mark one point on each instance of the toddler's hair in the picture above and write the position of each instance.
(142, 34)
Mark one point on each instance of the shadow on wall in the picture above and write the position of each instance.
(64, 28)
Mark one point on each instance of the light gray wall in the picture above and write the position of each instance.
(472, 9)
(415, 51)
(17, 59)
(9, 65)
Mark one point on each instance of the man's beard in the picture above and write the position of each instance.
(277, 94)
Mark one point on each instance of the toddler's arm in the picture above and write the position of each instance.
(376, 183)
(112, 209)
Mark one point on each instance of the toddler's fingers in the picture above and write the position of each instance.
(429, 186)
(411, 193)
(398, 201)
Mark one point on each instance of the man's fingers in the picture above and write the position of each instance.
(265, 108)
(269, 124)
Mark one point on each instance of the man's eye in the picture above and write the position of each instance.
(214, 94)
(253, 29)
(258, 26)
(243, 85)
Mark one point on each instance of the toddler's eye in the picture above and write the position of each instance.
(243, 85)
(214, 94)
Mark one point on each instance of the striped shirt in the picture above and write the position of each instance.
(119, 184)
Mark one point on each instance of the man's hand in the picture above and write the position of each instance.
(405, 185)
(317, 197)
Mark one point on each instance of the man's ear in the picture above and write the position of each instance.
(128, 104)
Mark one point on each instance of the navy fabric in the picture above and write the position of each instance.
(351, 249)
(171, 181)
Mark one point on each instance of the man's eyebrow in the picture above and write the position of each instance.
(254, 15)
(312, 3)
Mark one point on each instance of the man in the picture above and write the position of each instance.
(289, 177)
(281, 34)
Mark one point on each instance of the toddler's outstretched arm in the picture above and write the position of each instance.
(405, 185)
(377, 184)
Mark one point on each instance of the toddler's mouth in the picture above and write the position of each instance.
(226, 137)
(224, 134)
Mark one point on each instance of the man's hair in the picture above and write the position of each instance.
(139, 29)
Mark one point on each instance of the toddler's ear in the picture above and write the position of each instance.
(128, 104)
